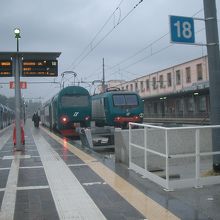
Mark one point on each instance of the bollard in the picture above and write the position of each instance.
(22, 136)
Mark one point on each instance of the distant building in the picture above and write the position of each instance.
(181, 91)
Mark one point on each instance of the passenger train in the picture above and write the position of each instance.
(6, 116)
(117, 108)
(67, 110)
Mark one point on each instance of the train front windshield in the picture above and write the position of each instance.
(77, 100)
(125, 100)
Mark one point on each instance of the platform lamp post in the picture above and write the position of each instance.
(17, 36)
(18, 145)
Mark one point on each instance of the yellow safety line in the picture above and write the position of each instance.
(145, 205)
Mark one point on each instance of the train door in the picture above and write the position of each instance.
(106, 107)
(50, 117)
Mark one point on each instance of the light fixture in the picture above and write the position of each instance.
(17, 33)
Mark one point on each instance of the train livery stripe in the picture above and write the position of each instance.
(145, 205)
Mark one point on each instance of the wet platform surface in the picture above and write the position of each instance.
(58, 179)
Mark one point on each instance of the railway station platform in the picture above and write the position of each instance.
(56, 178)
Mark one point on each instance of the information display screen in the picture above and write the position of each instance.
(5, 68)
(41, 68)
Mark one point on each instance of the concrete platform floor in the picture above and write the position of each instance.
(55, 178)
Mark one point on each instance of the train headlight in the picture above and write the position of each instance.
(136, 117)
(141, 115)
(117, 119)
(64, 119)
(87, 118)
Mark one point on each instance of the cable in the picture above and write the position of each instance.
(91, 42)
(148, 46)
(109, 32)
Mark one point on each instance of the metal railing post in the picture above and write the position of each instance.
(145, 147)
(129, 140)
(167, 161)
(197, 139)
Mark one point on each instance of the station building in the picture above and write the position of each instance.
(179, 93)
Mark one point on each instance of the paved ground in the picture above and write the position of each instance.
(55, 180)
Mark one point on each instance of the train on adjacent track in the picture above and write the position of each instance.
(68, 110)
(6, 116)
(117, 108)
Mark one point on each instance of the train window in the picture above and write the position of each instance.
(79, 100)
(125, 100)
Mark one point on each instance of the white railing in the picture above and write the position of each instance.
(176, 157)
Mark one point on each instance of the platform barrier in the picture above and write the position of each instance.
(22, 136)
(176, 157)
(97, 138)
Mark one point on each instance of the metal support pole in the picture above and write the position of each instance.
(17, 44)
(145, 148)
(167, 162)
(197, 162)
(129, 140)
(103, 77)
(18, 145)
(214, 74)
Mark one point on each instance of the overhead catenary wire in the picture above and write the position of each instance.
(106, 35)
(96, 35)
(150, 45)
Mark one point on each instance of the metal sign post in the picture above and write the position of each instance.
(182, 31)
(18, 144)
(45, 64)
(214, 74)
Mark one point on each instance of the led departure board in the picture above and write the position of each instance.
(41, 68)
(5, 68)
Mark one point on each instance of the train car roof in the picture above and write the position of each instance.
(109, 93)
(73, 90)
(68, 90)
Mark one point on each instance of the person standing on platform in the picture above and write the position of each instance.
(36, 119)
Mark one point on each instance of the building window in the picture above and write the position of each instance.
(179, 105)
(122, 88)
(169, 80)
(136, 87)
(147, 84)
(161, 81)
(199, 71)
(131, 86)
(142, 86)
(154, 83)
(188, 74)
(178, 78)
(190, 104)
(202, 103)
(127, 87)
(155, 108)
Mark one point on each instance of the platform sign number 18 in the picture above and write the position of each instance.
(182, 29)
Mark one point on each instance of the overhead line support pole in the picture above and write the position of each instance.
(103, 77)
(214, 74)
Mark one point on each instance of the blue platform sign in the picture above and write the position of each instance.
(182, 29)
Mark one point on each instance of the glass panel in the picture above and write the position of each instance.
(79, 100)
(125, 100)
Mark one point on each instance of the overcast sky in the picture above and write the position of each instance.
(73, 27)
